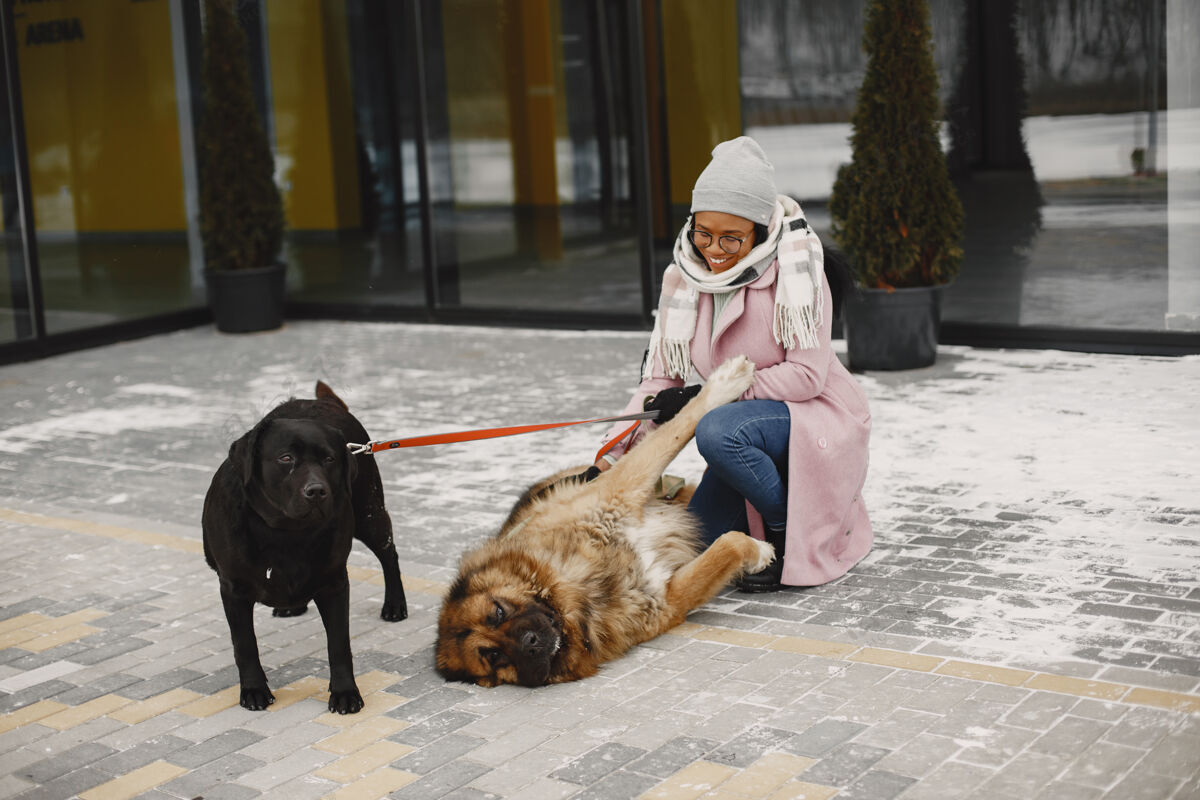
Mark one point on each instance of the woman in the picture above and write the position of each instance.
(787, 462)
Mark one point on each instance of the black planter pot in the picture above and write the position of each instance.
(893, 330)
(246, 300)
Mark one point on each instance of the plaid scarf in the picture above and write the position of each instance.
(798, 295)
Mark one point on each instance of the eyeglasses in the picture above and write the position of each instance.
(730, 244)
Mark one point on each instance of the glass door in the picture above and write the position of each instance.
(530, 155)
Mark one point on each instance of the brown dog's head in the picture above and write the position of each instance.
(294, 470)
(496, 627)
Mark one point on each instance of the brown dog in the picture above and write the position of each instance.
(581, 572)
(279, 519)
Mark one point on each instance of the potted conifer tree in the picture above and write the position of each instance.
(894, 209)
(241, 211)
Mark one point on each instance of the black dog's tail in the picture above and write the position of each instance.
(839, 276)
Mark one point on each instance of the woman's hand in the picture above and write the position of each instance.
(669, 401)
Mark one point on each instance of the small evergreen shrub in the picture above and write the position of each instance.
(895, 211)
(241, 211)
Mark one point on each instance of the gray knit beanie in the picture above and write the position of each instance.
(739, 180)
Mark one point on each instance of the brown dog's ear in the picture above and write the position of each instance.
(244, 452)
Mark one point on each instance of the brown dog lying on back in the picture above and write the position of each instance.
(279, 520)
(581, 572)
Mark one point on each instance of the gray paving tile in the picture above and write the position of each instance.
(60, 764)
(207, 777)
(445, 779)
(749, 746)
(432, 728)
(223, 744)
(844, 763)
(672, 756)
(442, 751)
(877, 785)
(595, 764)
(621, 783)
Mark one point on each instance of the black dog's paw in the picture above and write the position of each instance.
(394, 612)
(347, 702)
(290, 612)
(256, 698)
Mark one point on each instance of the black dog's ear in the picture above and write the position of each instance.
(244, 452)
(351, 467)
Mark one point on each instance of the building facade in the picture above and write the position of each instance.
(529, 161)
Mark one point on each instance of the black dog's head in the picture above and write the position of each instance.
(295, 470)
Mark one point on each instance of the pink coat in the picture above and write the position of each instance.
(828, 530)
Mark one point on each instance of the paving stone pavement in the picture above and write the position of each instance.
(1027, 625)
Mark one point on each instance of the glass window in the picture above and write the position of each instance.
(530, 164)
(16, 303)
(1058, 116)
(101, 113)
(340, 112)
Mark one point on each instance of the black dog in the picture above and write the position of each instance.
(278, 522)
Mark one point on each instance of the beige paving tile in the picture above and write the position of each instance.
(135, 783)
(766, 775)
(799, 790)
(70, 633)
(375, 680)
(379, 783)
(29, 714)
(16, 637)
(153, 706)
(296, 691)
(368, 759)
(374, 704)
(812, 647)
(100, 529)
(214, 703)
(361, 734)
(67, 620)
(1174, 701)
(692, 781)
(734, 637)
(985, 672)
(895, 658)
(22, 621)
(1076, 686)
(77, 715)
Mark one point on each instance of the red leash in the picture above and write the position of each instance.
(374, 447)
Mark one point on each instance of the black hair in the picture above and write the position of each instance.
(839, 277)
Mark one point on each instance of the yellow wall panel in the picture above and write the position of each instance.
(313, 113)
(704, 101)
(98, 86)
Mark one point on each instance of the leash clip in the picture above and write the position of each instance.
(358, 449)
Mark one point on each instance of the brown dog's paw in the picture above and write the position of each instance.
(256, 698)
(764, 554)
(727, 382)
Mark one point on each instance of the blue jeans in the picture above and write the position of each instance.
(746, 447)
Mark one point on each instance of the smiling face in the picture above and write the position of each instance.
(718, 224)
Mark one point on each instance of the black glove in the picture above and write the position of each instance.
(668, 402)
